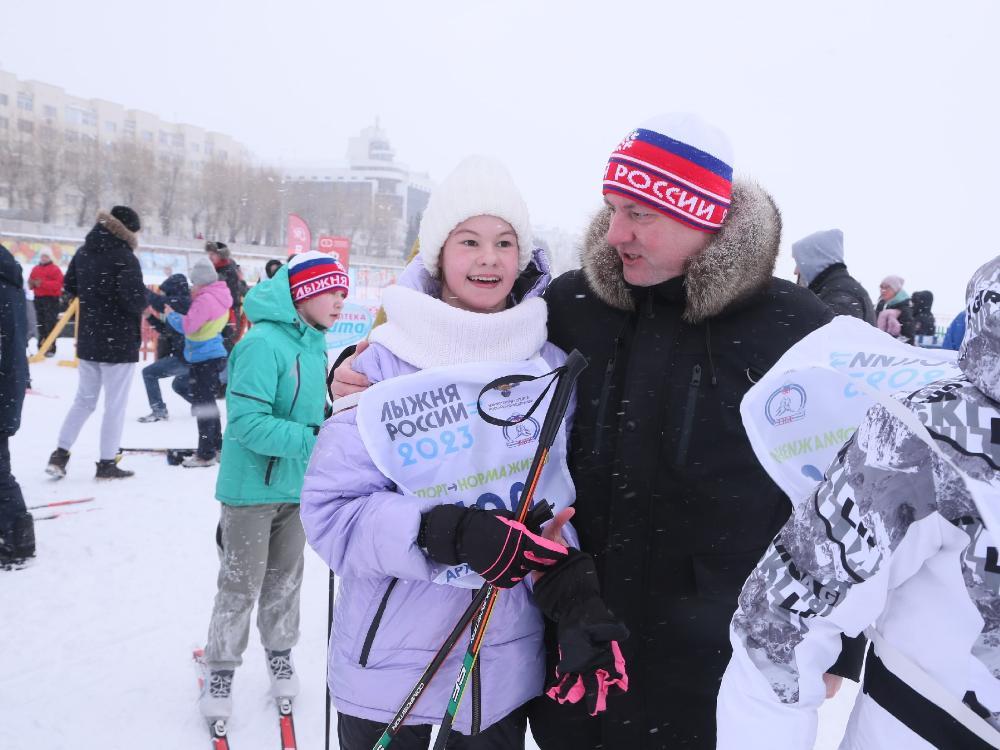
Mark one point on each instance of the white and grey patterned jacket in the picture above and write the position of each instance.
(891, 538)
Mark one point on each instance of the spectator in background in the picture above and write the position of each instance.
(819, 264)
(229, 272)
(17, 530)
(271, 267)
(894, 311)
(106, 276)
(923, 319)
(170, 361)
(202, 327)
(46, 281)
(955, 333)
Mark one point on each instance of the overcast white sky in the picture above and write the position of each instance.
(877, 117)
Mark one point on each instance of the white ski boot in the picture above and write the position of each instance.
(216, 701)
(284, 681)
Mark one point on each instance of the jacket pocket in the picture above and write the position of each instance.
(376, 621)
(270, 470)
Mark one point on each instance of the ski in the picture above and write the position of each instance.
(59, 503)
(286, 724)
(217, 729)
(60, 514)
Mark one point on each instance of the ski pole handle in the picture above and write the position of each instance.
(574, 365)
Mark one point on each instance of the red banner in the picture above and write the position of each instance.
(338, 247)
(298, 238)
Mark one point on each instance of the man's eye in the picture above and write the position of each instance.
(639, 215)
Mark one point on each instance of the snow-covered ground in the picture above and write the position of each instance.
(96, 633)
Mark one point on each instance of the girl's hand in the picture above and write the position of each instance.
(553, 532)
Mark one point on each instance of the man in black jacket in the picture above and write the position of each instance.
(678, 312)
(105, 275)
(17, 530)
(819, 261)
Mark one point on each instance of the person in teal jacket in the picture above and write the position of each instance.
(275, 404)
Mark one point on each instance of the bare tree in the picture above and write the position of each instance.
(170, 174)
(131, 174)
(17, 169)
(52, 169)
(86, 174)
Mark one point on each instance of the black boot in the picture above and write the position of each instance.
(109, 470)
(57, 463)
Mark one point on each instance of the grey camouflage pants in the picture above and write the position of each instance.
(261, 559)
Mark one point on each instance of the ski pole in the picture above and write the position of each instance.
(575, 364)
(326, 681)
(60, 502)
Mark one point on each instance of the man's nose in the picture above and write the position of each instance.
(619, 230)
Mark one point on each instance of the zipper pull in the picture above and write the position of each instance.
(696, 376)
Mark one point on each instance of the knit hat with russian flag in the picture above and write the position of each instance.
(313, 273)
(679, 165)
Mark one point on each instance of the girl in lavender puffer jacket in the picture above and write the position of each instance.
(472, 296)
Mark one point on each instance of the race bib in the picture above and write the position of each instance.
(425, 433)
(810, 403)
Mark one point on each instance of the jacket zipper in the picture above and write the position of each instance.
(376, 621)
(685, 440)
(477, 697)
(298, 384)
(295, 397)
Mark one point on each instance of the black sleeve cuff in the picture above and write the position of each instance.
(852, 654)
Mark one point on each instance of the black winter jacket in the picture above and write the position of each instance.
(13, 343)
(843, 294)
(105, 275)
(174, 291)
(670, 497)
(923, 317)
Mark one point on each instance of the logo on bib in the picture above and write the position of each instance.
(523, 432)
(786, 405)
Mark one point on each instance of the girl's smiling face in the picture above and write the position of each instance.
(479, 264)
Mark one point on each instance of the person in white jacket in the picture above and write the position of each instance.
(898, 538)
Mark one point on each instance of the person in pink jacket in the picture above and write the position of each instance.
(203, 348)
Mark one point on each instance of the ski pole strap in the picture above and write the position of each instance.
(503, 383)
(567, 373)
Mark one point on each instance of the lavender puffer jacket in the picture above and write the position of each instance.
(390, 618)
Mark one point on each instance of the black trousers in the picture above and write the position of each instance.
(47, 313)
(17, 528)
(361, 734)
(204, 384)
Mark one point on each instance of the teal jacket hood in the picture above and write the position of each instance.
(270, 301)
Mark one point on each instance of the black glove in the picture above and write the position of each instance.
(494, 545)
(590, 661)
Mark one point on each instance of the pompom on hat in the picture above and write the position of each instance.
(314, 273)
(479, 186)
(678, 165)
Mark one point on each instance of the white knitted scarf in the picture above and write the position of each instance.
(427, 332)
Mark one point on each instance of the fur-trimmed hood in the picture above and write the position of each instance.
(106, 221)
(738, 263)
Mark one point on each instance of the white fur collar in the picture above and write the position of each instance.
(427, 332)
